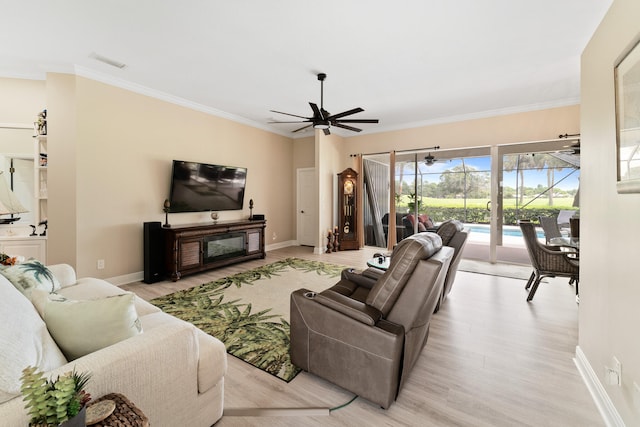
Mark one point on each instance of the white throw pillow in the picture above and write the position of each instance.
(82, 327)
(24, 341)
(31, 275)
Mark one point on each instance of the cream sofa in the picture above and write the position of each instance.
(172, 371)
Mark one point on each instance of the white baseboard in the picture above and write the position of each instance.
(604, 404)
(279, 245)
(126, 278)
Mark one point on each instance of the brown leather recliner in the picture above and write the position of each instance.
(366, 333)
(453, 234)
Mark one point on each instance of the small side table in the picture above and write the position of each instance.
(381, 262)
(126, 413)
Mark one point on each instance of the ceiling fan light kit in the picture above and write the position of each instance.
(574, 147)
(429, 160)
(322, 119)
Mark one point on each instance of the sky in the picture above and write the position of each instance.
(531, 177)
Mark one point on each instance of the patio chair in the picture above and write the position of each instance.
(550, 227)
(563, 218)
(548, 261)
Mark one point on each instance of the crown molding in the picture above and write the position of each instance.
(16, 126)
(163, 96)
(474, 116)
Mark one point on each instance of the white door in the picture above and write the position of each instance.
(307, 211)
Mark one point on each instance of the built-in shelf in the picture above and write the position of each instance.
(41, 162)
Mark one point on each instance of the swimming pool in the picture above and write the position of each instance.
(507, 230)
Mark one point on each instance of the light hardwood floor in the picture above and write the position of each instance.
(492, 359)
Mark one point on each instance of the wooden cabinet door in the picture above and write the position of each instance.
(254, 241)
(190, 253)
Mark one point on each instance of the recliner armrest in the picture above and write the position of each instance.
(349, 307)
(361, 278)
(373, 273)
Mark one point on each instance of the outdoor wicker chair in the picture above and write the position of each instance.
(550, 227)
(548, 261)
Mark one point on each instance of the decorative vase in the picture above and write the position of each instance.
(79, 420)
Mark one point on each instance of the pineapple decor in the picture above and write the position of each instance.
(52, 402)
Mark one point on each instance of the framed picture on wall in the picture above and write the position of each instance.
(627, 82)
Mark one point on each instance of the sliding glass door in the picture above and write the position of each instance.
(487, 188)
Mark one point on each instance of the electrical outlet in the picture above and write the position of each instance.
(275, 236)
(100, 264)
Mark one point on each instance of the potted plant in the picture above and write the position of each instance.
(412, 203)
(59, 402)
(7, 260)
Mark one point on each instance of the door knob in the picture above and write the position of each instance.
(301, 211)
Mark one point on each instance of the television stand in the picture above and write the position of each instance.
(191, 248)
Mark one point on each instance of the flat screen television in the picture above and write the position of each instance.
(200, 187)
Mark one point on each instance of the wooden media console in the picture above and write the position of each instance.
(191, 248)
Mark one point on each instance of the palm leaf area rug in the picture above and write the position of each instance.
(249, 311)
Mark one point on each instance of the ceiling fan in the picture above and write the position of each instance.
(429, 160)
(322, 119)
(575, 147)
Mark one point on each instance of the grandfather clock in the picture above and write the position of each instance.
(347, 188)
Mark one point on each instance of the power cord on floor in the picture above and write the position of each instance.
(343, 405)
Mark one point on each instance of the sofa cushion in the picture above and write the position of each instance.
(424, 219)
(82, 327)
(24, 341)
(91, 288)
(212, 354)
(29, 276)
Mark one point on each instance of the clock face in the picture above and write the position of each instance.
(348, 187)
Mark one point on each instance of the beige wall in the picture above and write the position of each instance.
(507, 129)
(327, 167)
(609, 286)
(21, 100)
(63, 203)
(304, 153)
(123, 144)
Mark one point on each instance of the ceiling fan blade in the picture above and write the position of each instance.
(357, 121)
(288, 114)
(322, 119)
(346, 127)
(303, 127)
(345, 113)
(316, 111)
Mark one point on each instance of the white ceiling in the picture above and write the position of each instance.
(407, 62)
